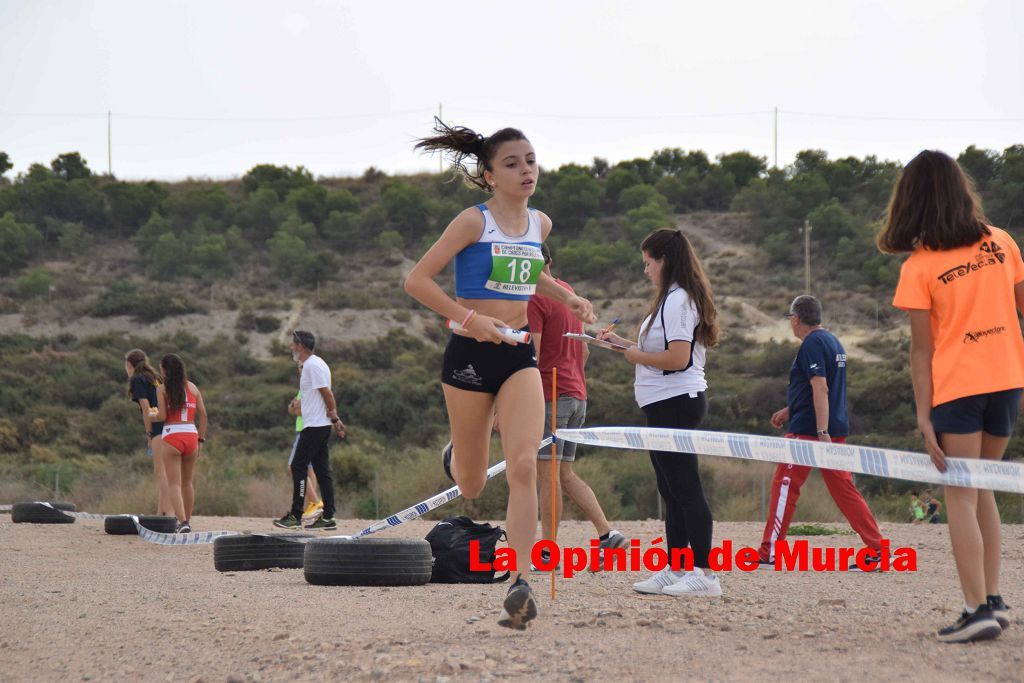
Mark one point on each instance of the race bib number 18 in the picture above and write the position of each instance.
(515, 268)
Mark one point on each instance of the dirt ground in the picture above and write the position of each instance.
(78, 604)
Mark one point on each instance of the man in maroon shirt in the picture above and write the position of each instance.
(549, 321)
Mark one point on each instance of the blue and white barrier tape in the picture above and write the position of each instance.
(422, 508)
(406, 515)
(882, 462)
(194, 538)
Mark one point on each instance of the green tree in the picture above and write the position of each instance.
(406, 209)
(281, 179)
(981, 164)
(17, 242)
(70, 166)
(390, 240)
(289, 255)
(341, 200)
(743, 166)
(210, 257)
(73, 239)
(35, 283)
(619, 179)
(309, 202)
(41, 194)
(5, 165)
(149, 234)
(131, 204)
(169, 257)
(185, 206)
(260, 212)
(294, 225)
(638, 195)
(341, 229)
(645, 219)
(830, 222)
(576, 198)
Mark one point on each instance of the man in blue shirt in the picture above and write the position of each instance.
(816, 411)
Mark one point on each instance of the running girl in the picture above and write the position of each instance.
(184, 416)
(498, 266)
(142, 388)
(962, 287)
(681, 323)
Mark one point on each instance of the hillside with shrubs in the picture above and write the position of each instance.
(218, 271)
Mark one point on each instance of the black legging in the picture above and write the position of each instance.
(688, 517)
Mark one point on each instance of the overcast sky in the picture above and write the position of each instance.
(210, 88)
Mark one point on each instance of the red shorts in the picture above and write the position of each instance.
(186, 443)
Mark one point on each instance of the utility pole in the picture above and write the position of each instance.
(110, 165)
(807, 257)
(775, 140)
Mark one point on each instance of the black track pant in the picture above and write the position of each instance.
(313, 449)
(688, 517)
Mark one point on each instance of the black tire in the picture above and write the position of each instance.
(250, 552)
(367, 562)
(38, 513)
(123, 525)
(70, 507)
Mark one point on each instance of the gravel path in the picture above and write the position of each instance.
(77, 604)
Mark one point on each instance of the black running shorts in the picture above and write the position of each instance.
(483, 366)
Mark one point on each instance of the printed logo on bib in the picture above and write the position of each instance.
(515, 268)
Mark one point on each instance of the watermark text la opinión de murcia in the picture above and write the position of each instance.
(796, 556)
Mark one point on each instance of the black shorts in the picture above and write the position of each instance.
(993, 413)
(483, 366)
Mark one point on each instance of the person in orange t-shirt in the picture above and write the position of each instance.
(962, 287)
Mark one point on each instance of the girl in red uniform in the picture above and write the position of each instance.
(180, 403)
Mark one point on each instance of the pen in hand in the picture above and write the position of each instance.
(611, 327)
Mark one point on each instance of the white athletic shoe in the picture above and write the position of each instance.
(695, 583)
(657, 584)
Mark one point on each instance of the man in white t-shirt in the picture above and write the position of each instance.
(319, 419)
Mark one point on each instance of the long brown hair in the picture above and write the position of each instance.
(933, 204)
(175, 381)
(461, 143)
(682, 267)
(140, 367)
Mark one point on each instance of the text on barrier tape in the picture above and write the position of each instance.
(432, 503)
(881, 462)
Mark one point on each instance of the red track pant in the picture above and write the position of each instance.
(786, 491)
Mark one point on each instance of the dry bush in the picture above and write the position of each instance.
(23, 491)
(267, 497)
(134, 494)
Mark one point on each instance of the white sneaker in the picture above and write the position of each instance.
(695, 583)
(657, 584)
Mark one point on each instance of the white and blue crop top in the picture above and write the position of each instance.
(498, 265)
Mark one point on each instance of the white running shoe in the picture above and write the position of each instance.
(695, 583)
(657, 584)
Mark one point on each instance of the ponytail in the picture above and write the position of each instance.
(175, 381)
(141, 367)
(460, 143)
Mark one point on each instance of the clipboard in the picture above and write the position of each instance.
(594, 341)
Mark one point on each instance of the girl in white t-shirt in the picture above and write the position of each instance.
(669, 355)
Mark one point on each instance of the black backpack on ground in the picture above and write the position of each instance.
(449, 544)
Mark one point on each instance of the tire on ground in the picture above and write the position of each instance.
(250, 552)
(367, 562)
(123, 525)
(39, 513)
